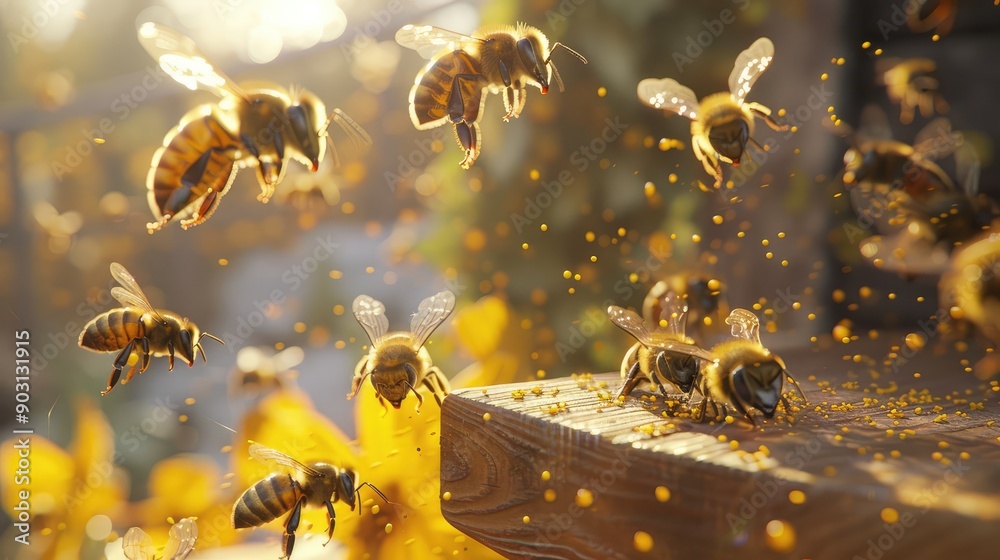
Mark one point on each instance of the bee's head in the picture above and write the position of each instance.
(531, 51)
(684, 370)
(347, 487)
(393, 383)
(306, 117)
(730, 139)
(758, 385)
(187, 342)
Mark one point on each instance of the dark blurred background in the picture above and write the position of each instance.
(408, 221)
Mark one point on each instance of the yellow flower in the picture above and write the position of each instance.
(74, 495)
(483, 330)
(398, 452)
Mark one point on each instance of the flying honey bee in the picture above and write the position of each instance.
(743, 374)
(141, 328)
(723, 123)
(398, 362)
(315, 485)
(258, 127)
(259, 371)
(913, 84)
(663, 353)
(917, 211)
(137, 545)
(452, 87)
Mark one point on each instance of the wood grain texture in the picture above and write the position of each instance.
(844, 460)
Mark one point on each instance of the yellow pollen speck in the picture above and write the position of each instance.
(526, 519)
(550, 495)
(642, 541)
(672, 177)
(584, 498)
(486, 416)
(388, 528)
(544, 227)
(223, 262)
(534, 174)
(546, 475)
(889, 515)
(376, 509)
(446, 496)
(662, 493)
(866, 44)
(780, 535)
(797, 497)
(824, 76)
(717, 219)
(524, 246)
(602, 91)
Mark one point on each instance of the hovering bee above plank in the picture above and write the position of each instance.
(297, 485)
(398, 362)
(260, 127)
(139, 327)
(452, 88)
(722, 123)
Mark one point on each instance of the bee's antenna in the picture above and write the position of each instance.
(571, 51)
(358, 134)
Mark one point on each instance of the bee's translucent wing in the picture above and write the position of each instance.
(264, 454)
(183, 535)
(745, 324)
(673, 310)
(180, 58)
(431, 313)
(936, 140)
(750, 64)
(137, 545)
(428, 40)
(370, 312)
(288, 358)
(967, 167)
(130, 295)
(630, 322)
(668, 94)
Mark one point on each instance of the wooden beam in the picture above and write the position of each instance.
(555, 470)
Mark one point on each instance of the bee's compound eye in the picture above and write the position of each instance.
(740, 386)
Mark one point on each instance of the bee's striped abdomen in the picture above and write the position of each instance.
(434, 86)
(265, 501)
(112, 330)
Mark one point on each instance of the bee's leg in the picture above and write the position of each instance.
(632, 379)
(331, 518)
(522, 98)
(702, 407)
(437, 383)
(291, 524)
(765, 113)
(514, 100)
(666, 370)
(468, 139)
(385, 409)
(170, 355)
(121, 360)
(797, 387)
(706, 155)
(420, 399)
(359, 377)
(788, 410)
(145, 354)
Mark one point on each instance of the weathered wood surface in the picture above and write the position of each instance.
(845, 462)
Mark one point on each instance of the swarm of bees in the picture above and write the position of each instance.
(397, 362)
(722, 123)
(258, 127)
(140, 327)
(137, 545)
(738, 373)
(463, 69)
(315, 485)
